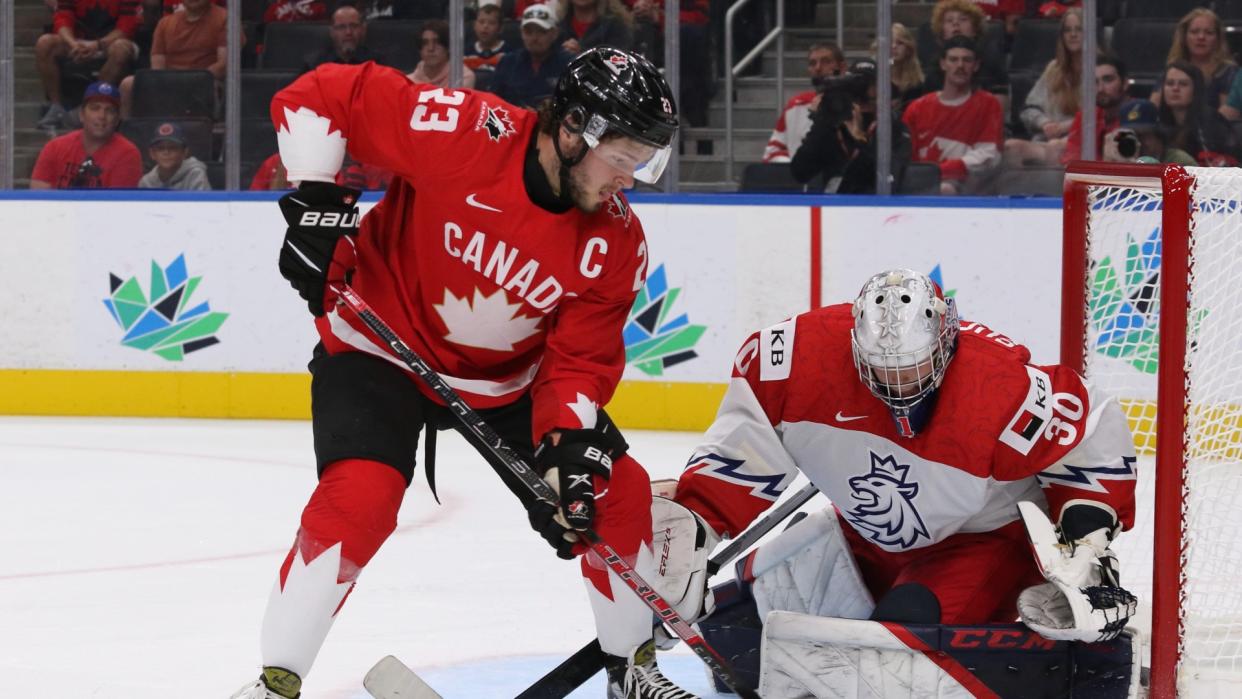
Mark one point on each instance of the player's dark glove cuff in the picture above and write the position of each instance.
(577, 457)
(542, 520)
(319, 215)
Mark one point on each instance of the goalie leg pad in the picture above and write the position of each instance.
(823, 657)
(809, 569)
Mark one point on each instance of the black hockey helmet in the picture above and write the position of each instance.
(607, 90)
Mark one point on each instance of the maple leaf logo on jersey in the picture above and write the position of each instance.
(617, 208)
(489, 322)
(496, 121)
(886, 511)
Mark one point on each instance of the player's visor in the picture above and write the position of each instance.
(645, 161)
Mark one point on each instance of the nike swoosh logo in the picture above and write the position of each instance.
(843, 418)
(472, 201)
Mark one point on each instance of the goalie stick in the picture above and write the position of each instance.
(495, 445)
(589, 659)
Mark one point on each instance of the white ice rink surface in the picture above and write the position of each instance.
(136, 557)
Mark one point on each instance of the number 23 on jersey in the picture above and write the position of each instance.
(441, 115)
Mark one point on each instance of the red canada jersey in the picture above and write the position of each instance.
(964, 137)
(1002, 431)
(496, 293)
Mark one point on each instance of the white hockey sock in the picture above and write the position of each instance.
(623, 622)
(299, 616)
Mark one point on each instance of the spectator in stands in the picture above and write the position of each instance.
(1200, 40)
(1053, 9)
(958, 127)
(488, 48)
(840, 147)
(823, 60)
(528, 75)
(402, 9)
(271, 175)
(175, 167)
(951, 18)
(1110, 92)
(1232, 107)
(295, 11)
(1052, 102)
(85, 33)
(348, 32)
(693, 16)
(589, 23)
(1139, 138)
(94, 156)
(1192, 125)
(1007, 11)
(907, 74)
(194, 39)
(433, 66)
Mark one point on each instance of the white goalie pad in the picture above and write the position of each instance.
(809, 569)
(822, 657)
(681, 560)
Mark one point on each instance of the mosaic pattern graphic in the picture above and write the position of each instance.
(938, 277)
(163, 322)
(1124, 304)
(653, 342)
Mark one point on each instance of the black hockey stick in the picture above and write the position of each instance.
(544, 492)
(589, 659)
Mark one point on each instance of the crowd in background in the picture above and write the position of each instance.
(958, 108)
(967, 102)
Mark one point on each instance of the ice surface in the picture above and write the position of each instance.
(136, 557)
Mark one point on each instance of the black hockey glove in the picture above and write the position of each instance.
(569, 467)
(319, 215)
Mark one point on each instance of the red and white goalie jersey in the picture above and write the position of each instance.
(1002, 431)
(497, 294)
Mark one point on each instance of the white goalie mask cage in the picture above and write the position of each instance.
(904, 336)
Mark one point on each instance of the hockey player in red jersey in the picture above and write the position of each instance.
(505, 255)
(925, 432)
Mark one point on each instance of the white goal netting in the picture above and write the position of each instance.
(1122, 352)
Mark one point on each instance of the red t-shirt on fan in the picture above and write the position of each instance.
(496, 293)
(63, 164)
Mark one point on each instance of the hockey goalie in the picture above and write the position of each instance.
(969, 489)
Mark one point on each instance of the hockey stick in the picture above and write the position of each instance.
(391, 679)
(544, 492)
(589, 659)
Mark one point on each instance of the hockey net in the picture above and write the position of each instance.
(1152, 312)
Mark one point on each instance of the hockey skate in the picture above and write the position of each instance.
(638, 677)
(276, 683)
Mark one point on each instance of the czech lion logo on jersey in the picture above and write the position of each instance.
(885, 512)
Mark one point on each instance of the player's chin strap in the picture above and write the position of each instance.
(1082, 600)
(568, 162)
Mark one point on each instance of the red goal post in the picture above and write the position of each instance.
(1152, 312)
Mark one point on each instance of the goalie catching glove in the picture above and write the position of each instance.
(319, 242)
(569, 460)
(1083, 599)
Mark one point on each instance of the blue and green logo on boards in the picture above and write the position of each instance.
(162, 319)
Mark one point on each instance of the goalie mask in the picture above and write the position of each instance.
(904, 336)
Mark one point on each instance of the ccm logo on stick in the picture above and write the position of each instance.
(329, 219)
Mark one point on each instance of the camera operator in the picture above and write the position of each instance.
(841, 142)
(1141, 139)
